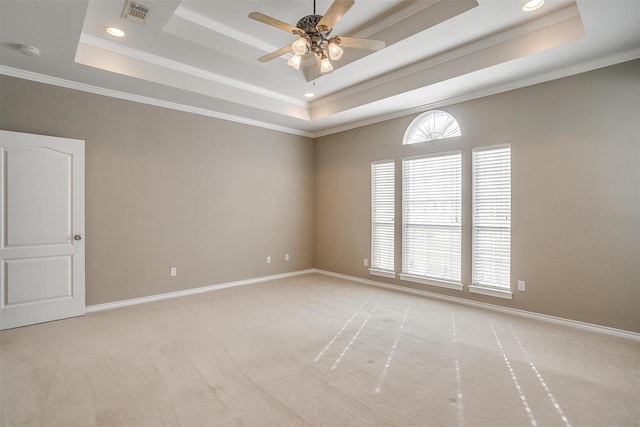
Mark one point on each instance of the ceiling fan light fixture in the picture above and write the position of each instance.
(335, 51)
(313, 37)
(530, 5)
(300, 46)
(294, 61)
(325, 65)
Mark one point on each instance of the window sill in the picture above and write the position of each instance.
(383, 273)
(498, 293)
(431, 282)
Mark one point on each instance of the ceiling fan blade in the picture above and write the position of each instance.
(273, 22)
(275, 54)
(361, 43)
(335, 12)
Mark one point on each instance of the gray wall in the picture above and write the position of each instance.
(214, 198)
(575, 193)
(166, 188)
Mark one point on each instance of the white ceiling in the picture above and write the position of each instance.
(201, 56)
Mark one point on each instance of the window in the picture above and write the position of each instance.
(432, 125)
(382, 218)
(432, 214)
(492, 220)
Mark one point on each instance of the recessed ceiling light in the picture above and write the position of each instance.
(114, 31)
(309, 95)
(530, 5)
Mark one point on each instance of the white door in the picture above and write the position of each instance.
(42, 228)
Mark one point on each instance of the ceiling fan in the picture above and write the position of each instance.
(314, 37)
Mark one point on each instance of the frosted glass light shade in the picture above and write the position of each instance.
(299, 46)
(335, 51)
(294, 61)
(325, 65)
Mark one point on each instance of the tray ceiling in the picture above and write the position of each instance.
(201, 56)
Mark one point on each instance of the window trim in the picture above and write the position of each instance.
(492, 292)
(431, 282)
(382, 273)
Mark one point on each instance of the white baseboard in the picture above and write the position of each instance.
(522, 313)
(193, 291)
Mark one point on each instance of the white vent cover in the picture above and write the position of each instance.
(135, 12)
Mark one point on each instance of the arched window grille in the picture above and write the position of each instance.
(432, 125)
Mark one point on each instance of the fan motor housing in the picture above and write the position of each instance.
(308, 25)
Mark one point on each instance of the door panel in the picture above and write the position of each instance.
(34, 280)
(27, 222)
(42, 208)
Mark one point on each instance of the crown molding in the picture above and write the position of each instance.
(393, 19)
(488, 42)
(571, 70)
(55, 81)
(218, 27)
(110, 46)
(552, 75)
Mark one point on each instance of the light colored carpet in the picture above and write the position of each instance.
(314, 350)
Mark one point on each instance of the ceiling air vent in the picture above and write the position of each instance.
(135, 12)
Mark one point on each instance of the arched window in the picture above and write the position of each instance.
(432, 125)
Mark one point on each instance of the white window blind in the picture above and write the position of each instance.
(432, 216)
(383, 213)
(492, 217)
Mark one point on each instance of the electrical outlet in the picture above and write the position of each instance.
(366, 262)
(286, 257)
(521, 285)
(268, 260)
(174, 271)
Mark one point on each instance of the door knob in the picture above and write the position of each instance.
(78, 237)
